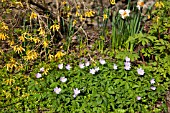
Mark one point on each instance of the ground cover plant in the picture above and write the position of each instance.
(69, 56)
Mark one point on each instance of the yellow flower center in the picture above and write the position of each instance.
(124, 13)
(141, 4)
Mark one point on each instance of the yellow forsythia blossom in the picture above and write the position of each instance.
(11, 43)
(77, 14)
(45, 44)
(159, 4)
(59, 54)
(12, 64)
(18, 49)
(3, 0)
(3, 36)
(74, 22)
(3, 26)
(68, 15)
(41, 31)
(81, 18)
(89, 13)
(33, 15)
(7, 94)
(31, 55)
(19, 3)
(55, 27)
(10, 81)
(64, 2)
(21, 38)
(51, 57)
(36, 40)
(46, 71)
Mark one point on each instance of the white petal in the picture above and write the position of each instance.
(127, 11)
(121, 11)
(123, 17)
(138, 7)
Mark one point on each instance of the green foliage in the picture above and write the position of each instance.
(32, 53)
(122, 29)
(108, 90)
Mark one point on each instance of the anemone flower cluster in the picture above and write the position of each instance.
(94, 70)
(61, 66)
(152, 81)
(63, 79)
(127, 64)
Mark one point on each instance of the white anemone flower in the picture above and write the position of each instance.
(102, 61)
(153, 87)
(127, 65)
(57, 90)
(60, 66)
(92, 71)
(38, 75)
(96, 69)
(81, 65)
(68, 67)
(42, 69)
(138, 97)
(124, 13)
(152, 81)
(87, 63)
(127, 59)
(76, 92)
(140, 71)
(63, 79)
(114, 66)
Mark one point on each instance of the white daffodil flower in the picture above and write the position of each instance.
(140, 4)
(124, 13)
